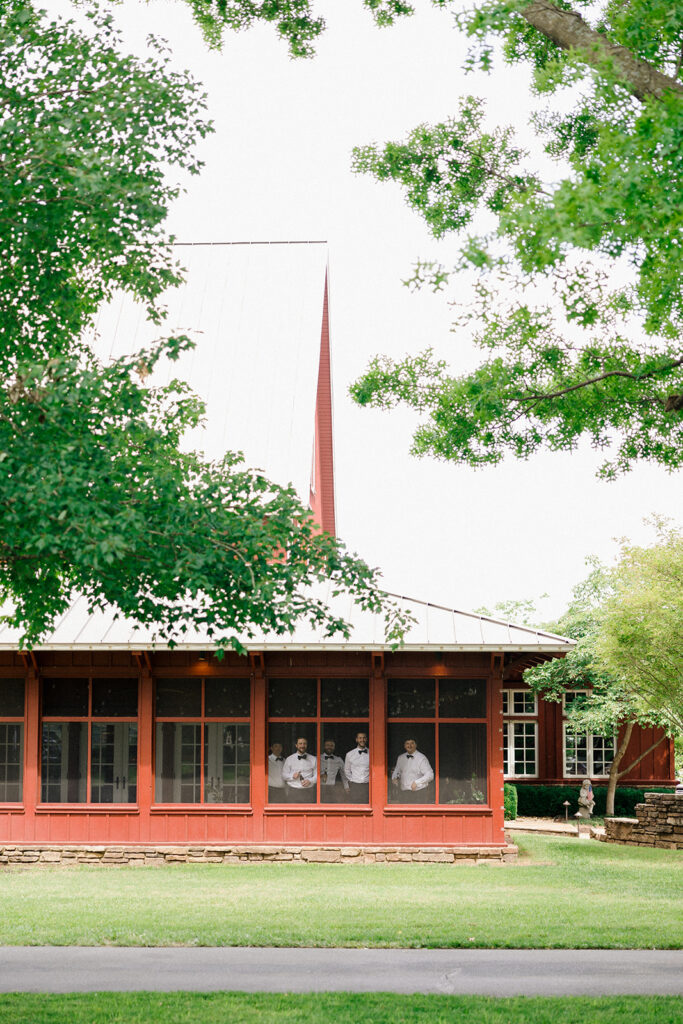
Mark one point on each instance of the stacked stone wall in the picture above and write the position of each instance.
(156, 855)
(658, 822)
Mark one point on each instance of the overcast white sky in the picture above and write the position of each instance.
(278, 167)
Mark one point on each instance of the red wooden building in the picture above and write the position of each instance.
(109, 737)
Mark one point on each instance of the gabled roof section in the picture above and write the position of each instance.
(255, 310)
(436, 629)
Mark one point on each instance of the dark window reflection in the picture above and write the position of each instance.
(410, 698)
(462, 698)
(225, 698)
(115, 697)
(113, 762)
(178, 763)
(462, 764)
(64, 762)
(289, 698)
(11, 760)
(179, 698)
(413, 769)
(344, 698)
(287, 733)
(12, 697)
(65, 697)
(226, 767)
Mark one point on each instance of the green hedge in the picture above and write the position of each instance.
(547, 801)
(510, 801)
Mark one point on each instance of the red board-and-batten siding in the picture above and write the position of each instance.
(322, 477)
(256, 823)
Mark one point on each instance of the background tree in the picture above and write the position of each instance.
(640, 634)
(576, 280)
(96, 495)
(613, 703)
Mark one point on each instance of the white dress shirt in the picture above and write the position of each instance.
(303, 763)
(357, 765)
(413, 768)
(275, 767)
(332, 765)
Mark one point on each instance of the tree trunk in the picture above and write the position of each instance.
(569, 31)
(614, 773)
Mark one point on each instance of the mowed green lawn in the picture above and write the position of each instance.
(563, 893)
(339, 1008)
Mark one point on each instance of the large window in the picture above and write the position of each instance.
(11, 739)
(520, 736)
(519, 749)
(585, 754)
(330, 716)
(202, 741)
(89, 741)
(436, 741)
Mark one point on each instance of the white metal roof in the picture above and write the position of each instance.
(436, 629)
(255, 311)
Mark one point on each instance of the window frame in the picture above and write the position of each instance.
(511, 718)
(590, 773)
(590, 737)
(509, 696)
(437, 720)
(201, 720)
(319, 720)
(89, 719)
(509, 747)
(19, 720)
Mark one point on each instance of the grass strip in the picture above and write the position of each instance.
(563, 894)
(373, 1008)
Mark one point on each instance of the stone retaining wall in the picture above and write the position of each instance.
(54, 854)
(658, 822)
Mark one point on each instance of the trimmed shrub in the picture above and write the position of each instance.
(547, 801)
(510, 801)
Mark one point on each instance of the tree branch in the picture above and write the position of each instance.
(569, 31)
(637, 761)
(603, 376)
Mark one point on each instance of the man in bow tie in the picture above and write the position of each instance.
(412, 773)
(334, 785)
(300, 772)
(357, 770)
(276, 786)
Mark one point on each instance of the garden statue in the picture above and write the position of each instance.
(586, 801)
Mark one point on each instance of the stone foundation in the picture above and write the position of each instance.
(658, 822)
(154, 855)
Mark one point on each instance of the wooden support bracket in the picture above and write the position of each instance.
(257, 662)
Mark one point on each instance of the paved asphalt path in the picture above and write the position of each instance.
(491, 972)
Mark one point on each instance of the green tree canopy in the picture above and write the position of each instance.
(97, 496)
(640, 634)
(576, 297)
(614, 702)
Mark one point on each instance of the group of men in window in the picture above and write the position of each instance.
(294, 779)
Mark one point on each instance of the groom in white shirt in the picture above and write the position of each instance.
(412, 774)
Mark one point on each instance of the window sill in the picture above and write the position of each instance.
(87, 809)
(196, 809)
(12, 808)
(356, 810)
(448, 809)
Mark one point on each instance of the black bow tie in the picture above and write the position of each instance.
(362, 750)
(302, 757)
(328, 757)
(279, 758)
(409, 755)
